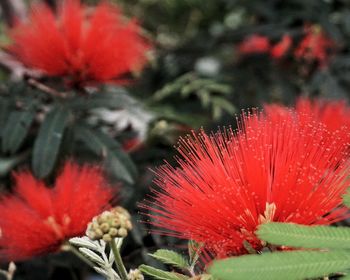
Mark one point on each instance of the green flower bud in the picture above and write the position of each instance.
(114, 223)
(107, 238)
(135, 274)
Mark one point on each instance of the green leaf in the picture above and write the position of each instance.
(16, 129)
(224, 104)
(7, 164)
(194, 249)
(4, 112)
(204, 96)
(101, 144)
(305, 236)
(220, 88)
(170, 257)
(346, 198)
(216, 112)
(161, 274)
(48, 141)
(173, 88)
(281, 265)
(345, 277)
(110, 97)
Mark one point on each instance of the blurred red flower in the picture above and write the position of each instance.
(254, 44)
(281, 48)
(132, 144)
(36, 219)
(316, 46)
(230, 182)
(334, 114)
(85, 47)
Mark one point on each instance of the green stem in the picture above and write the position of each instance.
(118, 261)
(75, 251)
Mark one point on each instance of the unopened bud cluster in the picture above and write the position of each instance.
(110, 224)
(135, 274)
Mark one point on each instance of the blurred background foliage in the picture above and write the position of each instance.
(198, 76)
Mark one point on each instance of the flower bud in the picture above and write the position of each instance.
(114, 223)
(135, 274)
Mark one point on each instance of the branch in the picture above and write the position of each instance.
(17, 69)
(45, 88)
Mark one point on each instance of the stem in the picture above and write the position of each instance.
(45, 88)
(75, 251)
(271, 247)
(249, 247)
(118, 261)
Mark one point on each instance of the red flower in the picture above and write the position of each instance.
(230, 182)
(281, 48)
(100, 47)
(132, 144)
(254, 44)
(38, 220)
(315, 46)
(334, 114)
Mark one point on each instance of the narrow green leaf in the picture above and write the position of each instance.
(346, 198)
(17, 88)
(220, 88)
(205, 98)
(224, 104)
(101, 144)
(7, 164)
(170, 257)
(4, 112)
(194, 249)
(216, 112)
(16, 129)
(305, 236)
(110, 97)
(161, 274)
(281, 265)
(48, 141)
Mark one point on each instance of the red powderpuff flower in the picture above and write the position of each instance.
(36, 220)
(332, 113)
(254, 44)
(228, 183)
(315, 46)
(281, 48)
(97, 47)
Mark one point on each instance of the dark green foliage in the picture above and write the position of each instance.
(16, 129)
(109, 149)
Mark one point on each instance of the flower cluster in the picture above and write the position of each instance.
(38, 220)
(110, 224)
(282, 47)
(254, 44)
(135, 274)
(316, 46)
(271, 169)
(258, 44)
(74, 43)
